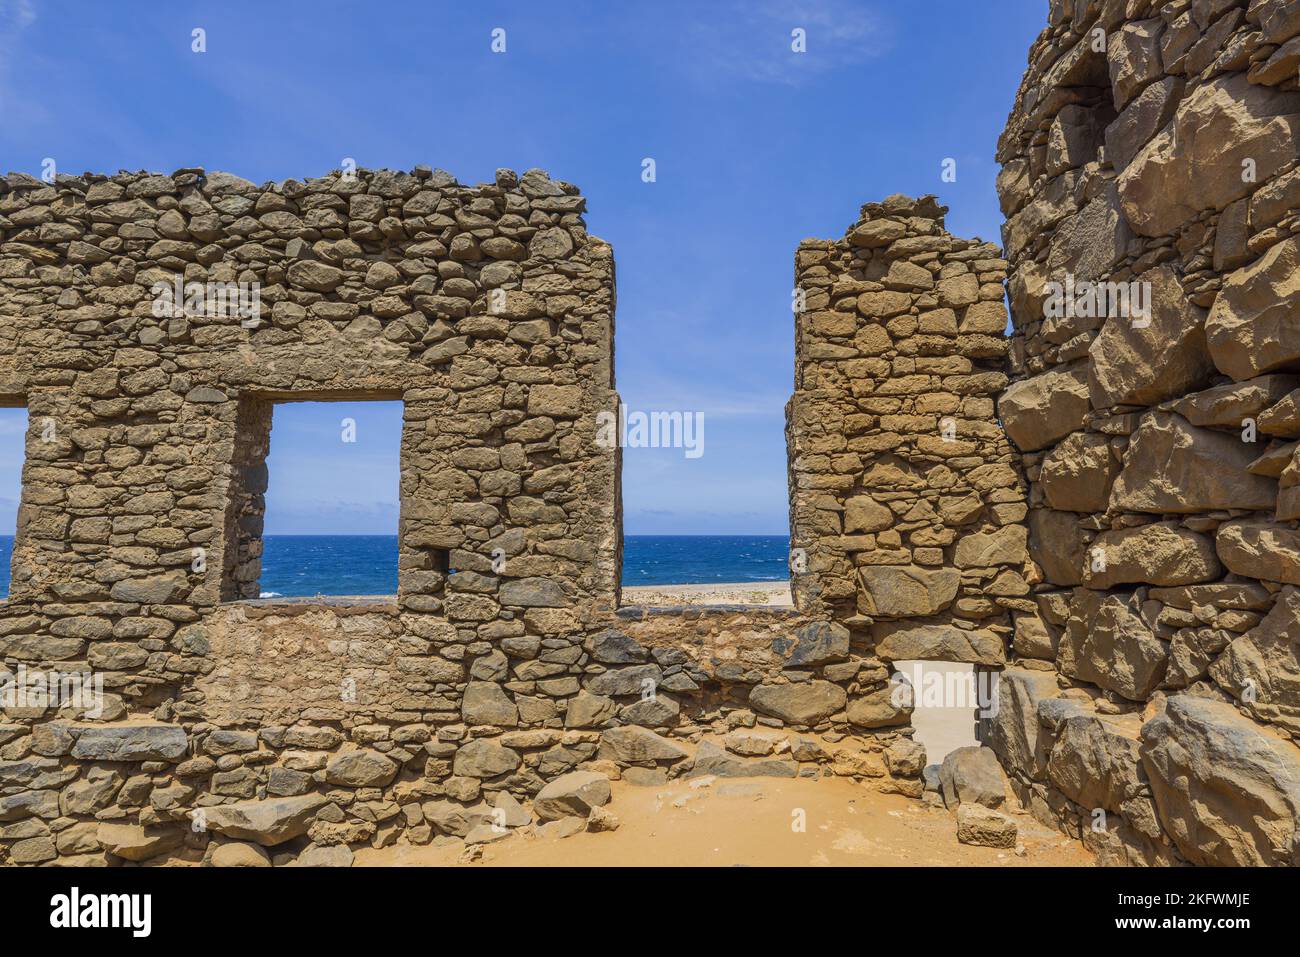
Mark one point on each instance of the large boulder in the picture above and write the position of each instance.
(1225, 787)
(1172, 466)
(135, 741)
(632, 744)
(360, 769)
(906, 591)
(802, 702)
(1057, 545)
(1039, 411)
(1228, 405)
(1094, 761)
(1195, 164)
(1133, 58)
(1259, 549)
(1145, 360)
(268, 822)
(1141, 120)
(1021, 743)
(972, 775)
(1076, 476)
(572, 795)
(1110, 641)
(1157, 554)
(1251, 327)
(1086, 246)
(909, 641)
(877, 709)
(1261, 668)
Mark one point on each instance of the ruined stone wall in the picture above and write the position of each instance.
(1152, 707)
(502, 666)
(487, 310)
(907, 511)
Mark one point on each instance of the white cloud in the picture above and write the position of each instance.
(755, 42)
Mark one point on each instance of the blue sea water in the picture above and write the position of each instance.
(704, 559)
(296, 566)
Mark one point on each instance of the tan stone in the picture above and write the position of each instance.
(909, 641)
(1224, 787)
(1195, 164)
(1158, 554)
(1110, 641)
(1039, 411)
(862, 513)
(1228, 405)
(1252, 329)
(1260, 549)
(1142, 360)
(902, 591)
(1172, 466)
(1077, 474)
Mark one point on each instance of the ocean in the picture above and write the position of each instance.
(295, 566)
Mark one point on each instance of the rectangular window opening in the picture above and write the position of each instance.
(13, 441)
(314, 506)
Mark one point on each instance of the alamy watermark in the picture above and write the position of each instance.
(1090, 300)
(975, 689)
(651, 430)
(213, 300)
(80, 690)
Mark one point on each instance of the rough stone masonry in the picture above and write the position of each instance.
(1102, 507)
(1153, 706)
(235, 730)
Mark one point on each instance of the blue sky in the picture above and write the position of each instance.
(756, 147)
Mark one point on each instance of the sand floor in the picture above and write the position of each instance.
(749, 822)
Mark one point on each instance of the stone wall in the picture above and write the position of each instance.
(502, 666)
(1124, 544)
(1152, 707)
(906, 505)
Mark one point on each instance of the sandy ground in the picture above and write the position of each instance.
(751, 822)
(730, 593)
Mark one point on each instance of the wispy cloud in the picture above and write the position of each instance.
(756, 42)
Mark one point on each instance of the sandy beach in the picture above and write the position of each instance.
(725, 593)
